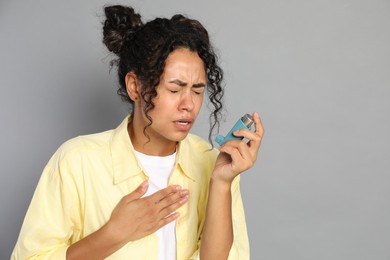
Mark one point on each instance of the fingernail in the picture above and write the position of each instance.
(184, 200)
(145, 185)
(184, 192)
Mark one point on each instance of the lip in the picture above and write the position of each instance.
(184, 127)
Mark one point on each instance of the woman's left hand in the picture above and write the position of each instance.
(237, 156)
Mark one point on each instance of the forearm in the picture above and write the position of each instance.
(217, 238)
(97, 245)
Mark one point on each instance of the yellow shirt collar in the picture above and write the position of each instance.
(125, 163)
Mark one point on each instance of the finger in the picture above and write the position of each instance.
(246, 133)
(231, 149)
(138, 192)
(254, 140)
(161, 194)
(258, 124)
(173, 198)
(167, 220)
(253, 137)
(173, 205)
(241, 155)
(259, 130)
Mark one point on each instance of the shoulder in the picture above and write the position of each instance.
(87, 143)
(81, 147)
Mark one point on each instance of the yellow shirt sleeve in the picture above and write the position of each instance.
(51, 222)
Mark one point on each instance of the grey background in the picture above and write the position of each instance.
(317, 71)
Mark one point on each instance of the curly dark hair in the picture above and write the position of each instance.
(143, 49)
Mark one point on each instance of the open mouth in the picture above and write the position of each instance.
(182, 122)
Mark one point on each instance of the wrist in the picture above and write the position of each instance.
(113, 235)
(221, 177)
(97, 245)
(221, 185)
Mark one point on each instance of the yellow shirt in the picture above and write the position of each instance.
(86, 178)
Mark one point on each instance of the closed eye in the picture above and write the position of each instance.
(198, 89)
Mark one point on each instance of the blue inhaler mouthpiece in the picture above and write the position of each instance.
(244, 122)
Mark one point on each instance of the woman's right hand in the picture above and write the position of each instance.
(135, 217)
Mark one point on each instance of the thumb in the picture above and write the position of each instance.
(138, 192)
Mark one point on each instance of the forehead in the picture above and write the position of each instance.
(183, 62)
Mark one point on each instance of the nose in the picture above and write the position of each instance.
(186, 102)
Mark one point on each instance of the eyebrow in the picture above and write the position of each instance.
(183, 84)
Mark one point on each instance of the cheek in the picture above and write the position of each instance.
(164, 104)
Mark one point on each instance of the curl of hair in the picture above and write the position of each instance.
(120, 25)
(144, 48)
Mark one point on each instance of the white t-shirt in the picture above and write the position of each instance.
(159, 170)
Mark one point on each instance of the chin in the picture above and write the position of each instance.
(179, 137)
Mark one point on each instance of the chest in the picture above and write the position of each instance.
(100, 196)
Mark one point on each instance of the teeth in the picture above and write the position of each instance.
(182, 123)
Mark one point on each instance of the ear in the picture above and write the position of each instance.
(133, 87)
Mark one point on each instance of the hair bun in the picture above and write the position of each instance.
(120, 24)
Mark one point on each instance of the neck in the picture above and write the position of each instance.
(149, 146)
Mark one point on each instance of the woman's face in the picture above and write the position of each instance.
(179, 97)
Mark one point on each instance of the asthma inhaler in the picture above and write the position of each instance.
(244, 122)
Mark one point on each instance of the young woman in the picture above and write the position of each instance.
(147, 189)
